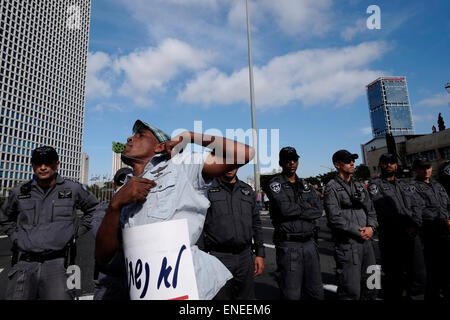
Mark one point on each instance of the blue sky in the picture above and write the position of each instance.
(173, 62)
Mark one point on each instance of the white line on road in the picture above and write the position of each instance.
(268, 228)
(271, 246)
(87, 297)
(4, 236)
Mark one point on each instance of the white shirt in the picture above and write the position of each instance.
(180, 193)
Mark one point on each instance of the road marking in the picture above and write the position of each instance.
(271, 246)
(330, 287)
(4, 236)
(86, 297)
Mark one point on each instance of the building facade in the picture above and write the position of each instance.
(390, 107)
(84, 175)
(435, 147)
(43, 46)
(117, 163)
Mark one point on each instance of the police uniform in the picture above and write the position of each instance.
(399, 218)
(436, 237)
(293, 209)
(231, 223)
(42, 225)
(180, 193)
(110, 280)
(348, 207)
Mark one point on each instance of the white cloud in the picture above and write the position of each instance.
(366, 130)
(437, 100)
(142, 72)
(334, 76)
(350, 32)
(97, 82)
(152, 68)
(424, 117)
(297, 17)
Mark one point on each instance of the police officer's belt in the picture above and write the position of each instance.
(41, 257)
(228, 249)
(295, 237)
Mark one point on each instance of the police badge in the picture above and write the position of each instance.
(275, 187)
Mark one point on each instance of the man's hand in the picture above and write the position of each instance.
(135, 190)
(259, 266)
(366, 232)
(177, 143)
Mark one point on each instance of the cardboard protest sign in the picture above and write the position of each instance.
(159, 261)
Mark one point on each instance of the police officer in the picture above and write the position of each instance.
(110, 281)
(294, 205)
(352, 221)
(399, 218)
(231, 223)
(41, 220)
(436, 230)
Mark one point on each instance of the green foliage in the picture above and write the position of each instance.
(313, 180)
(326, 177)
(118, 147)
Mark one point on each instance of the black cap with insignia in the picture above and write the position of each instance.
(344, 156)
(119, 177)
(44, 155)
(288, 153)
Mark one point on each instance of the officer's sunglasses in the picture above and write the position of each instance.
(348, 160)
(43, 160)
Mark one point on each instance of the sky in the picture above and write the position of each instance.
(183, 64)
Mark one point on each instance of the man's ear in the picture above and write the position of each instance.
(160, 147)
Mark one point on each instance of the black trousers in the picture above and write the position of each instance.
(403, 265)
(437, 262)
(241, 287)
(299, 270)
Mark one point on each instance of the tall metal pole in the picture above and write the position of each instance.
(252, 101)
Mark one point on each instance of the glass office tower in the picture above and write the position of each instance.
(389, 106)
(43, 47)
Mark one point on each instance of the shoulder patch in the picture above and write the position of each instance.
(360, 188)
(245, 192)
(24, 196)
(373, 189)
(213, 190)
(447, 170)
(275, 187)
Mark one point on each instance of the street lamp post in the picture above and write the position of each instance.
(447, 87)
(252, 101)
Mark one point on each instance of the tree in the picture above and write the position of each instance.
(326, 177)
(118, 147)
(441, 123)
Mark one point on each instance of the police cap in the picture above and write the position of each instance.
(388, 158)
(288, 153)
(344, 156)
(44, 155)
(119, 177)
(421, 163)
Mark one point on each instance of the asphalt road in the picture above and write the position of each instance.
(266, 287)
